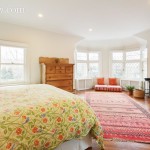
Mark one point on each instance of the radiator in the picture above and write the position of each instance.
(84, 84)
(136, 84)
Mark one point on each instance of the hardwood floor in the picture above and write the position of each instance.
(111, 145)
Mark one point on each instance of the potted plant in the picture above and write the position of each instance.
(130, 88)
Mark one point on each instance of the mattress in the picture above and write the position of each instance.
(44, 117)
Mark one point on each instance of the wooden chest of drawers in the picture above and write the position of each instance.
(59, 75)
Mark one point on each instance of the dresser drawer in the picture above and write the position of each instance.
(50, 69)
(69, 69)
(60, 67)
(58, 76)
(68, 88)
(60, 71)
(60, 83)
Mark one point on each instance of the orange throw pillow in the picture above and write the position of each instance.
(112, 81)
(100, 81)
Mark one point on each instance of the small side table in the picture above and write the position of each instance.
(138, 93)
(147, 86)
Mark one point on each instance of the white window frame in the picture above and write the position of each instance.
(142, 62)
(99, 61)
(26, 63)
(115, 61)
(124, 61)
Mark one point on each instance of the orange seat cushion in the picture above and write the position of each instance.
(100, 81)
(112, 81)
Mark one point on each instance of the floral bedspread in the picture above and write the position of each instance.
(42, 116)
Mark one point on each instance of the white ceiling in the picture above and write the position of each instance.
(108, 18)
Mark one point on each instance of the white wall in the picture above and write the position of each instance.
(40, 43)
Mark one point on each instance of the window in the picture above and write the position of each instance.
(12, 64)
(144, 63)
(129, 64)
(81, 70)
(117, 65)
(81, 56)
(132, 70)
(117, 69)
(87, 64)
(133, 55)
(117, 56)
(144, 69)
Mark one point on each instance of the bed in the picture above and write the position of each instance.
(44, 117)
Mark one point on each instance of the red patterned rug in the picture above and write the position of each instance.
(120, 116)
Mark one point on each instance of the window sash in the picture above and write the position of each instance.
(24, 64)
(91, 72)
(79, 58)
(132, 71)
(130, 55)
(82, 74)
(12, 73)
(119, 72)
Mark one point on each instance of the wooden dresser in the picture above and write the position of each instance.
(59, 75)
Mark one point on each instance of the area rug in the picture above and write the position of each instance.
(120, 116)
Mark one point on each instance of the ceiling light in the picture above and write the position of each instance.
(90, 29)
(40, 15)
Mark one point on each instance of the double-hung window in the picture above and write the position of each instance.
(117, 64)
(13, 67)
(129, 64)
(133, 64)
(87, 64)
(144, 63)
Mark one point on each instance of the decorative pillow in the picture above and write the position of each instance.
(100, 81)
(112, 81)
